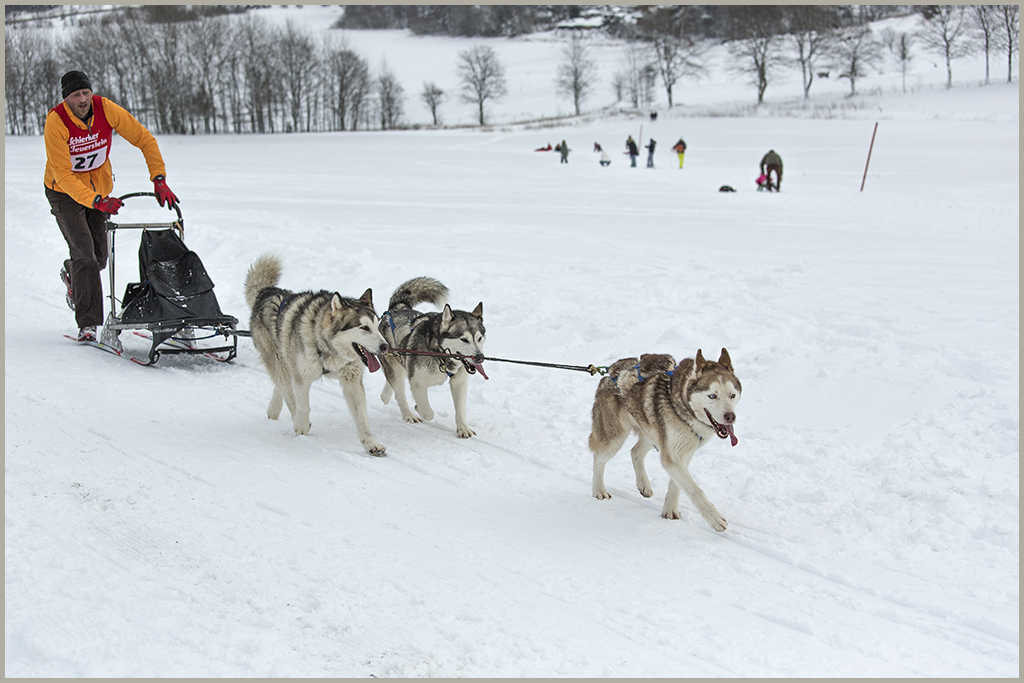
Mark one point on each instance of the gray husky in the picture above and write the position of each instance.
(303, 336)
(673, 408)
(446, 331)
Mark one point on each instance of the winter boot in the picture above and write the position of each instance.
(65, 277)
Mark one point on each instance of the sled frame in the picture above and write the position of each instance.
(176, 330)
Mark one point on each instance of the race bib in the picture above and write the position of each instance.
(87, 160)
(88, 148)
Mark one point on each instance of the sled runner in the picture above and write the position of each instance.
(173, 300)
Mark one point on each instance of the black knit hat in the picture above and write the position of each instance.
(72, 81)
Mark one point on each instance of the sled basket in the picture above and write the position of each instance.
(173, 300)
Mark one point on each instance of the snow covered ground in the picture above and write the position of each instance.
(157, 524)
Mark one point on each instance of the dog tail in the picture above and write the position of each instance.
(263, 273)
(420, 290)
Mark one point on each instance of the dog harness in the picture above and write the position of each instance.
(442, 363)
(640, 378)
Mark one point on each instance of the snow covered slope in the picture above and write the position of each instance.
(157, 524)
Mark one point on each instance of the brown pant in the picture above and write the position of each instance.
(85, 231)
(778, 175)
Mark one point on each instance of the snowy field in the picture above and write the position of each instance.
(158, 524)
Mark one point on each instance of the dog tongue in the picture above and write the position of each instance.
(732, 437)
(480, 369)
(372, 364)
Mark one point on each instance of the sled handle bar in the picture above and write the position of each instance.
(177, 209)
(178, 225)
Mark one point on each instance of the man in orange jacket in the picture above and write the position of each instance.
(78, 179)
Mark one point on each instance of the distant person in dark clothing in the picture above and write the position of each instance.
(650, 153)
(632, 151)
(772, 162)
(564, 150)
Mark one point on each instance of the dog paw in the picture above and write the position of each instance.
(465, 432)
(412, 419)
(374, 448)
(602, 495)
(716, 520)
(302, 430)
(645, 490)
(670, 514)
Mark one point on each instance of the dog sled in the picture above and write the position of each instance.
(172, 304)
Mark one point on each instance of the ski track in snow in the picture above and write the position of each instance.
(156, 523)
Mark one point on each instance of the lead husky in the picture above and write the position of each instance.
(674, 408)
(303, 336)
(448, 331)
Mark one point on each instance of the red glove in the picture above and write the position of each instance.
(163, 193)
(108, 205)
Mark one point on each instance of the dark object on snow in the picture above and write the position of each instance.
(173, 299)
(73, 81)
(771, 162)
(726, 188)
(174, 284)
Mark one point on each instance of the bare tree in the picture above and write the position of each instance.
(855, 52)
(204, 61)
(390, 98)
(986, 24)
(648, 78)
(231, 85)
(31, 79)
(254, 41)
(1009, 35)
(347, 85)
(899, 45)
(675, 52)
(901, 48)
(577, 74)
(167, 75)
(298, 66)
(433, 97)
(945, 33)
(482, 77)
(758, 48)
(811, 30)
(618, 85)
(635, 74)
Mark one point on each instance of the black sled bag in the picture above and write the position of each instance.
(174, 284)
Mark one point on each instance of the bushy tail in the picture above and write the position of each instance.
(264, 272)
(420, 290)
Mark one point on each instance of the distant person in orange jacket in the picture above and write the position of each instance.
(78, 180)
(680, 149)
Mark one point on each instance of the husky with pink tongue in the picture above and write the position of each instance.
(303, 336)
(675, 408)
(430, 348)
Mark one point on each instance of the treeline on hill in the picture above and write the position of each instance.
(190, 69)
